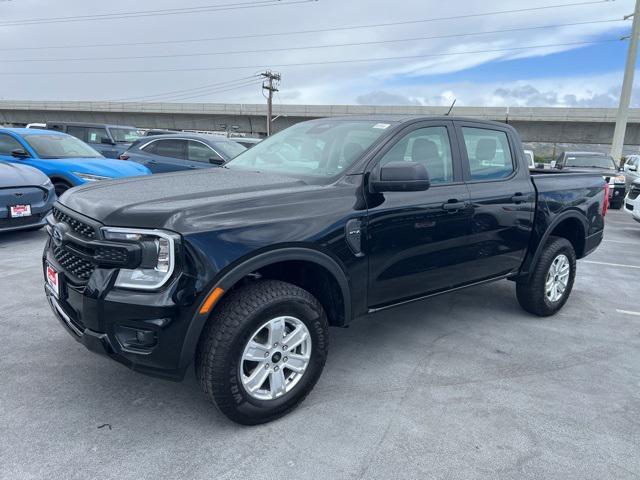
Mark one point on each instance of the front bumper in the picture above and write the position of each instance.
(40, 199)
(617, 192)
(144, 331)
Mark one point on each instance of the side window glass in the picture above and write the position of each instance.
(78, 132)
(170, 148)
(150, 147)
(488, 152)
(8, 144)
(197, 152)
(429, 146)
(95, 135)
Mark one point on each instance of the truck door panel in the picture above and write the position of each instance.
(417, 241)
(502, 198)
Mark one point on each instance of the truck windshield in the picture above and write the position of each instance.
(60, 146)
(125, 135)
(323, 148)
(590, 161)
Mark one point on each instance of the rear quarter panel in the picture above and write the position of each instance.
(565, 196)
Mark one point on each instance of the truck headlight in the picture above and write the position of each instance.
(158, 257)
(88, 177)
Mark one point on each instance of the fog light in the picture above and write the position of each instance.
(135, 338)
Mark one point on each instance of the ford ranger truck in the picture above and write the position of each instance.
(241, 270)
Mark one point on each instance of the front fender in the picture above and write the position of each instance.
(230, 276)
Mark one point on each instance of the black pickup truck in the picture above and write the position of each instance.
(242, 269)
(597, 163)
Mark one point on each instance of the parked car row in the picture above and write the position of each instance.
(38, 165)
(42, 161)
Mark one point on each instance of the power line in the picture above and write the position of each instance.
(182, 91)
(300, 32)
(326, 62)
(308, 47)
(155, 13)
(204, 94)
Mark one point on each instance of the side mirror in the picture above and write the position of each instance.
(401, 177)
(217, 161)
(107, 141)
(633, 168)
(19, 153)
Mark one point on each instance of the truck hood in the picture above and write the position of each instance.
(182, 201)
(100, 166)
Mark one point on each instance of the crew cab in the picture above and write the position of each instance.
(596, 162)
(242, 269)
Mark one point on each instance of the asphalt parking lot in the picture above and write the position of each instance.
(464, 385)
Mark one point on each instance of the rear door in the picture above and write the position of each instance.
(166, 155)
(502, 197)
(417, 242)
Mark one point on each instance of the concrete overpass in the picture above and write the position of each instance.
(548, 125)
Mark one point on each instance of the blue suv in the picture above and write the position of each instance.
(67, 161)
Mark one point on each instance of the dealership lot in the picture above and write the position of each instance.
(464, 385)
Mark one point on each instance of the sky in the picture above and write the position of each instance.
(407, 52)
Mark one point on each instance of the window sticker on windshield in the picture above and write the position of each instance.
(382, 126)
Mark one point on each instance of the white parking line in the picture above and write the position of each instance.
(620, 241)
(610, 264)
(628, 312)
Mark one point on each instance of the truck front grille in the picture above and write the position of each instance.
(72, 263)
(76, 225)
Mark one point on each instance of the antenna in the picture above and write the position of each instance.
(451, 107)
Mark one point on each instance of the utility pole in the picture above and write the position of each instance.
(271, 85)
(627, 87)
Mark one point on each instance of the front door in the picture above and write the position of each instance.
(417, 241)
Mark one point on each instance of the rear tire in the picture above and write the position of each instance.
(537, 295)
(245, 326)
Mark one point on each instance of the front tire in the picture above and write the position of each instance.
(244, 361)
(551, 281)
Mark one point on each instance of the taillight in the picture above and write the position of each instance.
(124, 156)
(605, 204)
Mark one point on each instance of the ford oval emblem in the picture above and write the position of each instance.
(58, 234)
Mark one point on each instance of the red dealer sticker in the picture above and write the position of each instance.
(53, 280)
(19, 211)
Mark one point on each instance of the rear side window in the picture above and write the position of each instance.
(95, 135)
(78, 132)
(8, 144)
(488, 152)
(170, 148)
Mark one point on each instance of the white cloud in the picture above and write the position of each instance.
(345, 83)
